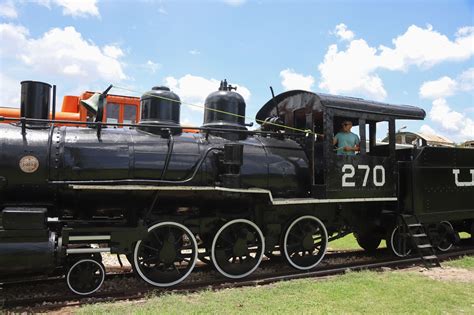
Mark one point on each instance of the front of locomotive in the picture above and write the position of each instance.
(64, 189)
(27, 245)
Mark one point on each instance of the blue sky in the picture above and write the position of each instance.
(402, 52)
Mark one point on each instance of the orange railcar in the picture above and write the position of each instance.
(120, 109)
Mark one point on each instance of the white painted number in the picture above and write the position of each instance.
(366, 175)
(346, 176)
(349, 171)
(382, 172)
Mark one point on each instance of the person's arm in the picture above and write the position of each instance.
(334, 140)
(356, 147)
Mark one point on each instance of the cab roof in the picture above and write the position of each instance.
(301, 99)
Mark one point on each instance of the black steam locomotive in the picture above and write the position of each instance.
(225, 195)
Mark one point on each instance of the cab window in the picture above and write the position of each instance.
(112, 113)
(129, 114)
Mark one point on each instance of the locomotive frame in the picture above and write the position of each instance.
(225, 195)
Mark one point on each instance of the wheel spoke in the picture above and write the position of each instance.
(157, 237)
(152, 248)
(244, 248)
(174, 250)
(298, 252)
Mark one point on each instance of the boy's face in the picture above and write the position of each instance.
(346, 126)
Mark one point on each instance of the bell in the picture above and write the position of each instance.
(92, 103)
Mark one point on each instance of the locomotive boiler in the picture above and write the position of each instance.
(167, 197)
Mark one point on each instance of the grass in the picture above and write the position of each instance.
(349, 242)
(361, 292)
(464, 262)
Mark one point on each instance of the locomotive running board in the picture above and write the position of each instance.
(275, 202)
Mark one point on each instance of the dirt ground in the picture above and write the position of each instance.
(449, 274)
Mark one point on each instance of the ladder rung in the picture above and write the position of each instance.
(424, 246)
(414, 225)
(419, 235)
(430, 257)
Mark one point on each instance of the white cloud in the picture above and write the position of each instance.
(343, 32)
(446, 86)
(112, 51)
(292, 80)
(442, 87)
(152, 66)
(466, 80)
(77, 8)
(10, 91)
(453, 122)
(194, 52)
(234, 3)
(425, 47)
(353, 69)
(194, 89)
(74, 8)
(426, 129)
(62, 52)
(8, 10)
(44, 3)
(463, 31)
(13, 39)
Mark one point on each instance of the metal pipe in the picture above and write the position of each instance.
(302, 133)
(53, 114)
(168, 156)
(89, 238)
(87, 250)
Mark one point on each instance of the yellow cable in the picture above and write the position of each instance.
(217, 110)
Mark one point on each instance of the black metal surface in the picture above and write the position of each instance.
(24, 218)
(442, 183)
(336, 102)
(23, 253)
(224, 109)
(160, 106)
(35, 100)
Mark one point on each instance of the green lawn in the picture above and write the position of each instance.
(465, 262)
(361, 292)
(349, 242)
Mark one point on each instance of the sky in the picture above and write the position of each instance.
(401, 52)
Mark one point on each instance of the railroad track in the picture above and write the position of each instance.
(117, 271)
(381, 260)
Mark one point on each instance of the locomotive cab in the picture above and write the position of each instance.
(370, 173)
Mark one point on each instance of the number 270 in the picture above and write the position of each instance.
(348, 171)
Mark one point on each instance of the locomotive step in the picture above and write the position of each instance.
(430, 257)
(419, 235)
(424, 246)
(414, 225)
